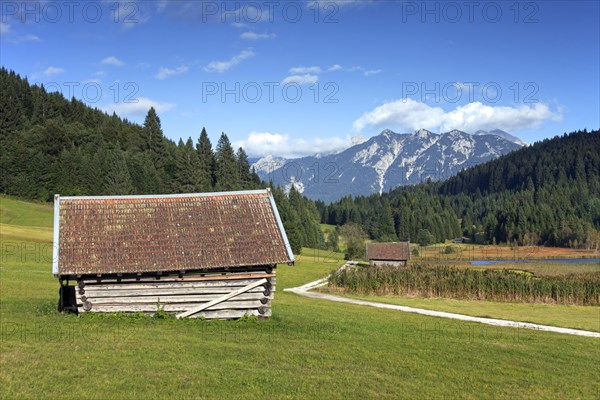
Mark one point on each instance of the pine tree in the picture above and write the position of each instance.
(153, 141)
(244, 169)
(227, 173)
(206, 163)
(117, 180)
(188, 175)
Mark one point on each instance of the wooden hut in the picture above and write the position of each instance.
(210, 255)
(395, 253)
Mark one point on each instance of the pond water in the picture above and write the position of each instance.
(556, 260)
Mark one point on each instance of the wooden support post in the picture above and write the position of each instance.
(221, 299)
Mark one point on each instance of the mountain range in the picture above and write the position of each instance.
(386, 161)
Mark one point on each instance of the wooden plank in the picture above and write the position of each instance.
(182, 307)
(158, 284)
(97, 293)
(170, 299)
(221, 299)
(176, 275)
(95, 281)
(231, 314)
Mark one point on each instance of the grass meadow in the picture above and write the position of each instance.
(308, 349)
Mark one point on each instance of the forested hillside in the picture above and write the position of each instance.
(53, 145)
(548, 193)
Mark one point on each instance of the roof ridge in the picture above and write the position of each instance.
(166, 196)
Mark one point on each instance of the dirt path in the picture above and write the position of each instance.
(305, 290)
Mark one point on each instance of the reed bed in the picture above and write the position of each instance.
(448, 282)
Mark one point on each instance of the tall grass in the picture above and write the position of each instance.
(449, 282)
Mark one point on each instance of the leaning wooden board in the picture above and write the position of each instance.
(188, 295)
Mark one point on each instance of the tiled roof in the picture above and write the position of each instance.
(388, 251)
(131, 234)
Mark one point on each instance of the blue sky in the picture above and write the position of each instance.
(293, 78)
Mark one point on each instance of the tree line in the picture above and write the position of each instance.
(547, 193)
(544, 194)
(50, 145)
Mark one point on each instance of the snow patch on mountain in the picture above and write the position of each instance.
(384, 162)
(298, 185)
(503, 135)
(367, 154)
(268, 164)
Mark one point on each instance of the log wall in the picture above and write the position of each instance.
(180, 294)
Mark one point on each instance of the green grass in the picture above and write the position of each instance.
(326, 228)
(308, 349)
(22, 213)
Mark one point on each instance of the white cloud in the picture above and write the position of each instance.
(164, 73)
(306, 79)
(260, 144)
(464, 85)
(4, 27)
(112, 60)
(53, 71)
(222, 66)
(370, 72)
(139, 108)
(356, 68)
(303, 75)
(257, 36)
(99, 74)
(411, 114)
(31, 38)
(305, 70)
(50, 71)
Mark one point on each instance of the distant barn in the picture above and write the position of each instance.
(394, 254)
(209, 255)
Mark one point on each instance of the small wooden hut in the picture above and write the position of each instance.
(394, 254)
(210, 255)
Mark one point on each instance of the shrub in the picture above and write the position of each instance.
(449, 282)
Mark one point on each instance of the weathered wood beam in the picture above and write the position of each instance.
(226, 314)
(167, 299)
(181, 307)
(131, 292)
(221, 299)
(185, 278)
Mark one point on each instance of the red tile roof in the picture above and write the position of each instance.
(396, 251)
(131, 234)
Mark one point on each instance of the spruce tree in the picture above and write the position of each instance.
(153, 140)
(206, 163)
(188, 175)
(227, 174)
(244, 169)
(117, 180)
